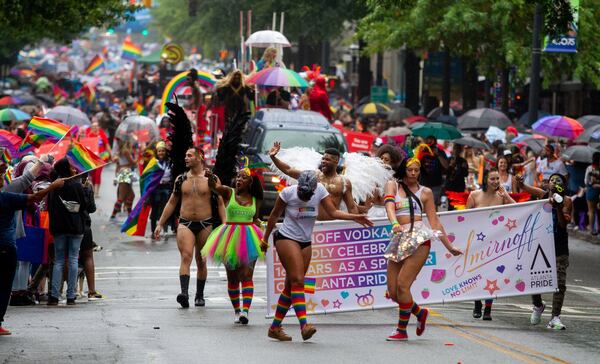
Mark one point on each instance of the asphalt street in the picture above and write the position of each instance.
(140, 321)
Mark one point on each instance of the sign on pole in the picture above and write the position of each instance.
(566, 43)
(379, 94)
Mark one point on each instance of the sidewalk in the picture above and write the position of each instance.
(584, 235)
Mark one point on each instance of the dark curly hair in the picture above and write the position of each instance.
(486, 173)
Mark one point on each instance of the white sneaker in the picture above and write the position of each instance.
(237, 318)
(556, 324)
(243, 318)
(536, 315)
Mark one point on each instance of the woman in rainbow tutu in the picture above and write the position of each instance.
(237, 243)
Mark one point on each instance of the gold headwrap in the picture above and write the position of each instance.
(413, 160)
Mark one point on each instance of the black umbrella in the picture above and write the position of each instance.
(590, 135)
(524, 119)
(482, 119)
(437, 112)
(398, 114)
(471, 142)
(589, 121)
(447, 119)
(579, 153)
(46, 99)
(536, 145)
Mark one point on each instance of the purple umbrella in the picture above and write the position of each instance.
(558, 126)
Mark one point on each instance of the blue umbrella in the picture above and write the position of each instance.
(13, 115)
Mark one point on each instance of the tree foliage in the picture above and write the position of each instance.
(29, 21)
(216, 25)
(496, 34)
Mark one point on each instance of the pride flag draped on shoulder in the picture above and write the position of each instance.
(83, 159)
(138, 218)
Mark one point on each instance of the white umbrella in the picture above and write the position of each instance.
(267, 38)
(494, 133)
(68, 115)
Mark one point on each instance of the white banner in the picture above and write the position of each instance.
(508, 251)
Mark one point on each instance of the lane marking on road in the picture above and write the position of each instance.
(167, 267)
(517, 351)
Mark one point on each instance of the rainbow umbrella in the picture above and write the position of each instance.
(277, 76)
(10, 100)
(13, 115)
(558, 126)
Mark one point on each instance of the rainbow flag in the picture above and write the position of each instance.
(138, 218)
(131, 51)
(87, 91)
(105, 155)
(6, 157)
(139, 108)
(51, 129)
(31, 142)
(60, 95)
(95, 64)
(309, 285)
(8, 176)
(83, 159)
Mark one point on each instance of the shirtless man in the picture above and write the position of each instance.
(195, 222)
(491, 194)
(339, 188)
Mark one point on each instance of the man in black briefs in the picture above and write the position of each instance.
(195, 222)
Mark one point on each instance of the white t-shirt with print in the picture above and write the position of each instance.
(300, 216)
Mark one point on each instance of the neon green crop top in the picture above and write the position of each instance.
(237, 213)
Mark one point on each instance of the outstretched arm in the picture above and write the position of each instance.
(282, 166)
(215, 185)
(434, 221)
(327, 204)
(533, 191)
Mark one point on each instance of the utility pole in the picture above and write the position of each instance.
(536, 57)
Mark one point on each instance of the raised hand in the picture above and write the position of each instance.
(274, 149)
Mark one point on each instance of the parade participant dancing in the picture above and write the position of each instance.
(236, 243)
(406, 201)
(492, 193)
(561, 216)
(301, 203)
(124, 178)
(337, 186)
(195, 223)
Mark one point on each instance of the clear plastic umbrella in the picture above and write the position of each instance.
(267, 38)
(138, 128)
(68, 115)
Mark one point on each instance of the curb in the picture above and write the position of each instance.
(585, 236)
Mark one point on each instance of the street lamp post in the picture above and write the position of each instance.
(536, 57)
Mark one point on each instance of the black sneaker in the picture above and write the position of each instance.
(52, 301)
(487, 314)
(477, 310)
(183, 300)
(70, 301)
(199, 301)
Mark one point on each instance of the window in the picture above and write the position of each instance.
(316, 140)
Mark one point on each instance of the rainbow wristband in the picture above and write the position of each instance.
(395, 223)
(389, 198)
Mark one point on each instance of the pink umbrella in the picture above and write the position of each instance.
(558, 126)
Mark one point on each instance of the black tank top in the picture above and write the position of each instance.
(561, 236)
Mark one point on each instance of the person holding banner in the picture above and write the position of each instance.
(236, 243)
(562, 207)
(301, 203)
(493, 193)
(406, 201)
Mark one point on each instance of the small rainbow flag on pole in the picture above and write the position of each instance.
(138, 218)
(10, 142)
(51, 129)
(309, 285)
(131, 51)
(31, 142)
(83, 159)
(60, 95)
(95, 64)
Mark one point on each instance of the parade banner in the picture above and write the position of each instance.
(565, 43)
(508, 251)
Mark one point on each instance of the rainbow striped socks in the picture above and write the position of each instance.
(233, 290)
(283, 305)
(299, 303)
(404, 316)
(416, 310)
(247, 293)
(488, 304)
